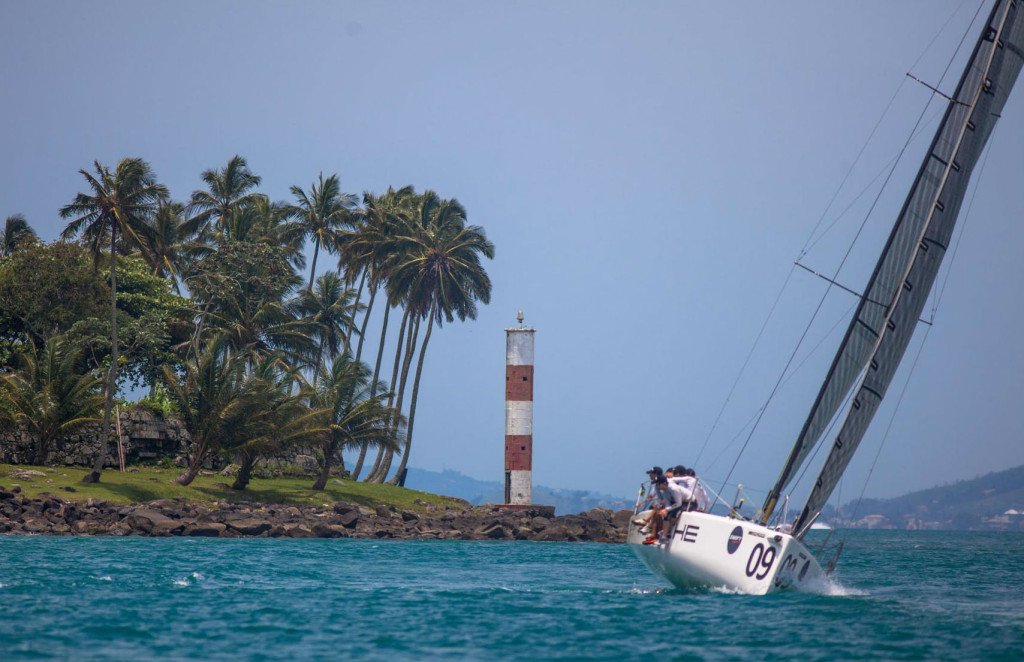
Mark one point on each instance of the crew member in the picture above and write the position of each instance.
(671, 500)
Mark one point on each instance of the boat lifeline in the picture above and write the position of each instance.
(703, 549)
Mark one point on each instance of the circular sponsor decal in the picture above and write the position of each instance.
(735, 538)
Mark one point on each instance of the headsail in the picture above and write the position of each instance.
(879, 334)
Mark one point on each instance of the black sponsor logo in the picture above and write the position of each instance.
(735, 538)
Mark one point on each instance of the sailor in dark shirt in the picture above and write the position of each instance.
(671, 501)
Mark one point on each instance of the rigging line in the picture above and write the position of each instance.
(874, 179)
(963, 38)
(809, 244)
(845, 316)
(743, 368)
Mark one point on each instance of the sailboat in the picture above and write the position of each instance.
(756, 555)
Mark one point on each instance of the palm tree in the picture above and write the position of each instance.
(331, 311)
(124, 201)
(274, 418)
(229, 189)
(52, 394)
(208, 399)
(321, 213)
(17, 234)
(440, 269)
(266, 222)
(357, 414)
(171, 246)
(371, 248)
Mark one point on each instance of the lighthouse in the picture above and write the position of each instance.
(518, 414)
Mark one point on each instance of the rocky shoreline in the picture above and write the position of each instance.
(50, 515)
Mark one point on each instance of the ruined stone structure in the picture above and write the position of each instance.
(145, 437)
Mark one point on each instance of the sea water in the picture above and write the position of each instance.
(897, 596)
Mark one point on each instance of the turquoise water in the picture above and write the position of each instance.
(900, 596)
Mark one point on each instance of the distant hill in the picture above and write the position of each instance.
(479, 492)
(967, 504)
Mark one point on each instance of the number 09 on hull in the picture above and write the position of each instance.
(707, 550)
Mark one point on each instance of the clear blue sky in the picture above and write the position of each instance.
(647, 171)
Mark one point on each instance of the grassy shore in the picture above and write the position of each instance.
(151, 483)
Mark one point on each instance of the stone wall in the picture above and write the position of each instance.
(146, 438)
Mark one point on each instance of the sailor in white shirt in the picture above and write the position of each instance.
(699, 494)
(695, 495)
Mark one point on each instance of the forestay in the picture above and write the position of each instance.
(899, 287)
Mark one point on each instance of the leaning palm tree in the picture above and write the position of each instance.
(357, 415)
(372, 248)
(440, 269)
(17, 234)
(230, 188)
(52, 394)
(124, 201)
(321, 213)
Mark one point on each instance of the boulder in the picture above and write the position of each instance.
(152, 521)
(598, 514)
(495, 532)
(341, 507)
(205, 529)
(34, 525)
(621, 518)
(307, 462)
(250, 527)
(298, 531)
(349, 520)
(27, 474)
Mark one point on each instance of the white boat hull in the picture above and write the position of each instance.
(707, 550)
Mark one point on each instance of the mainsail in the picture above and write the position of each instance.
(899, 287)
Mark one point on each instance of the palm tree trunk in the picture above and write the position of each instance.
(366, 318)
(244, 471)
(394, 379)
(410, 350)
(42, 451)
(376, 374)
(312, 268)
(325, 473)
(399, 478)
(105, 432)
(359, 297)
(191, 472)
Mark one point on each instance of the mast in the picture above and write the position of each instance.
(878, 335)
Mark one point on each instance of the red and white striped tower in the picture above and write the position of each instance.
(518, 414)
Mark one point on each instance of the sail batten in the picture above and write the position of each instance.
(877, 337)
